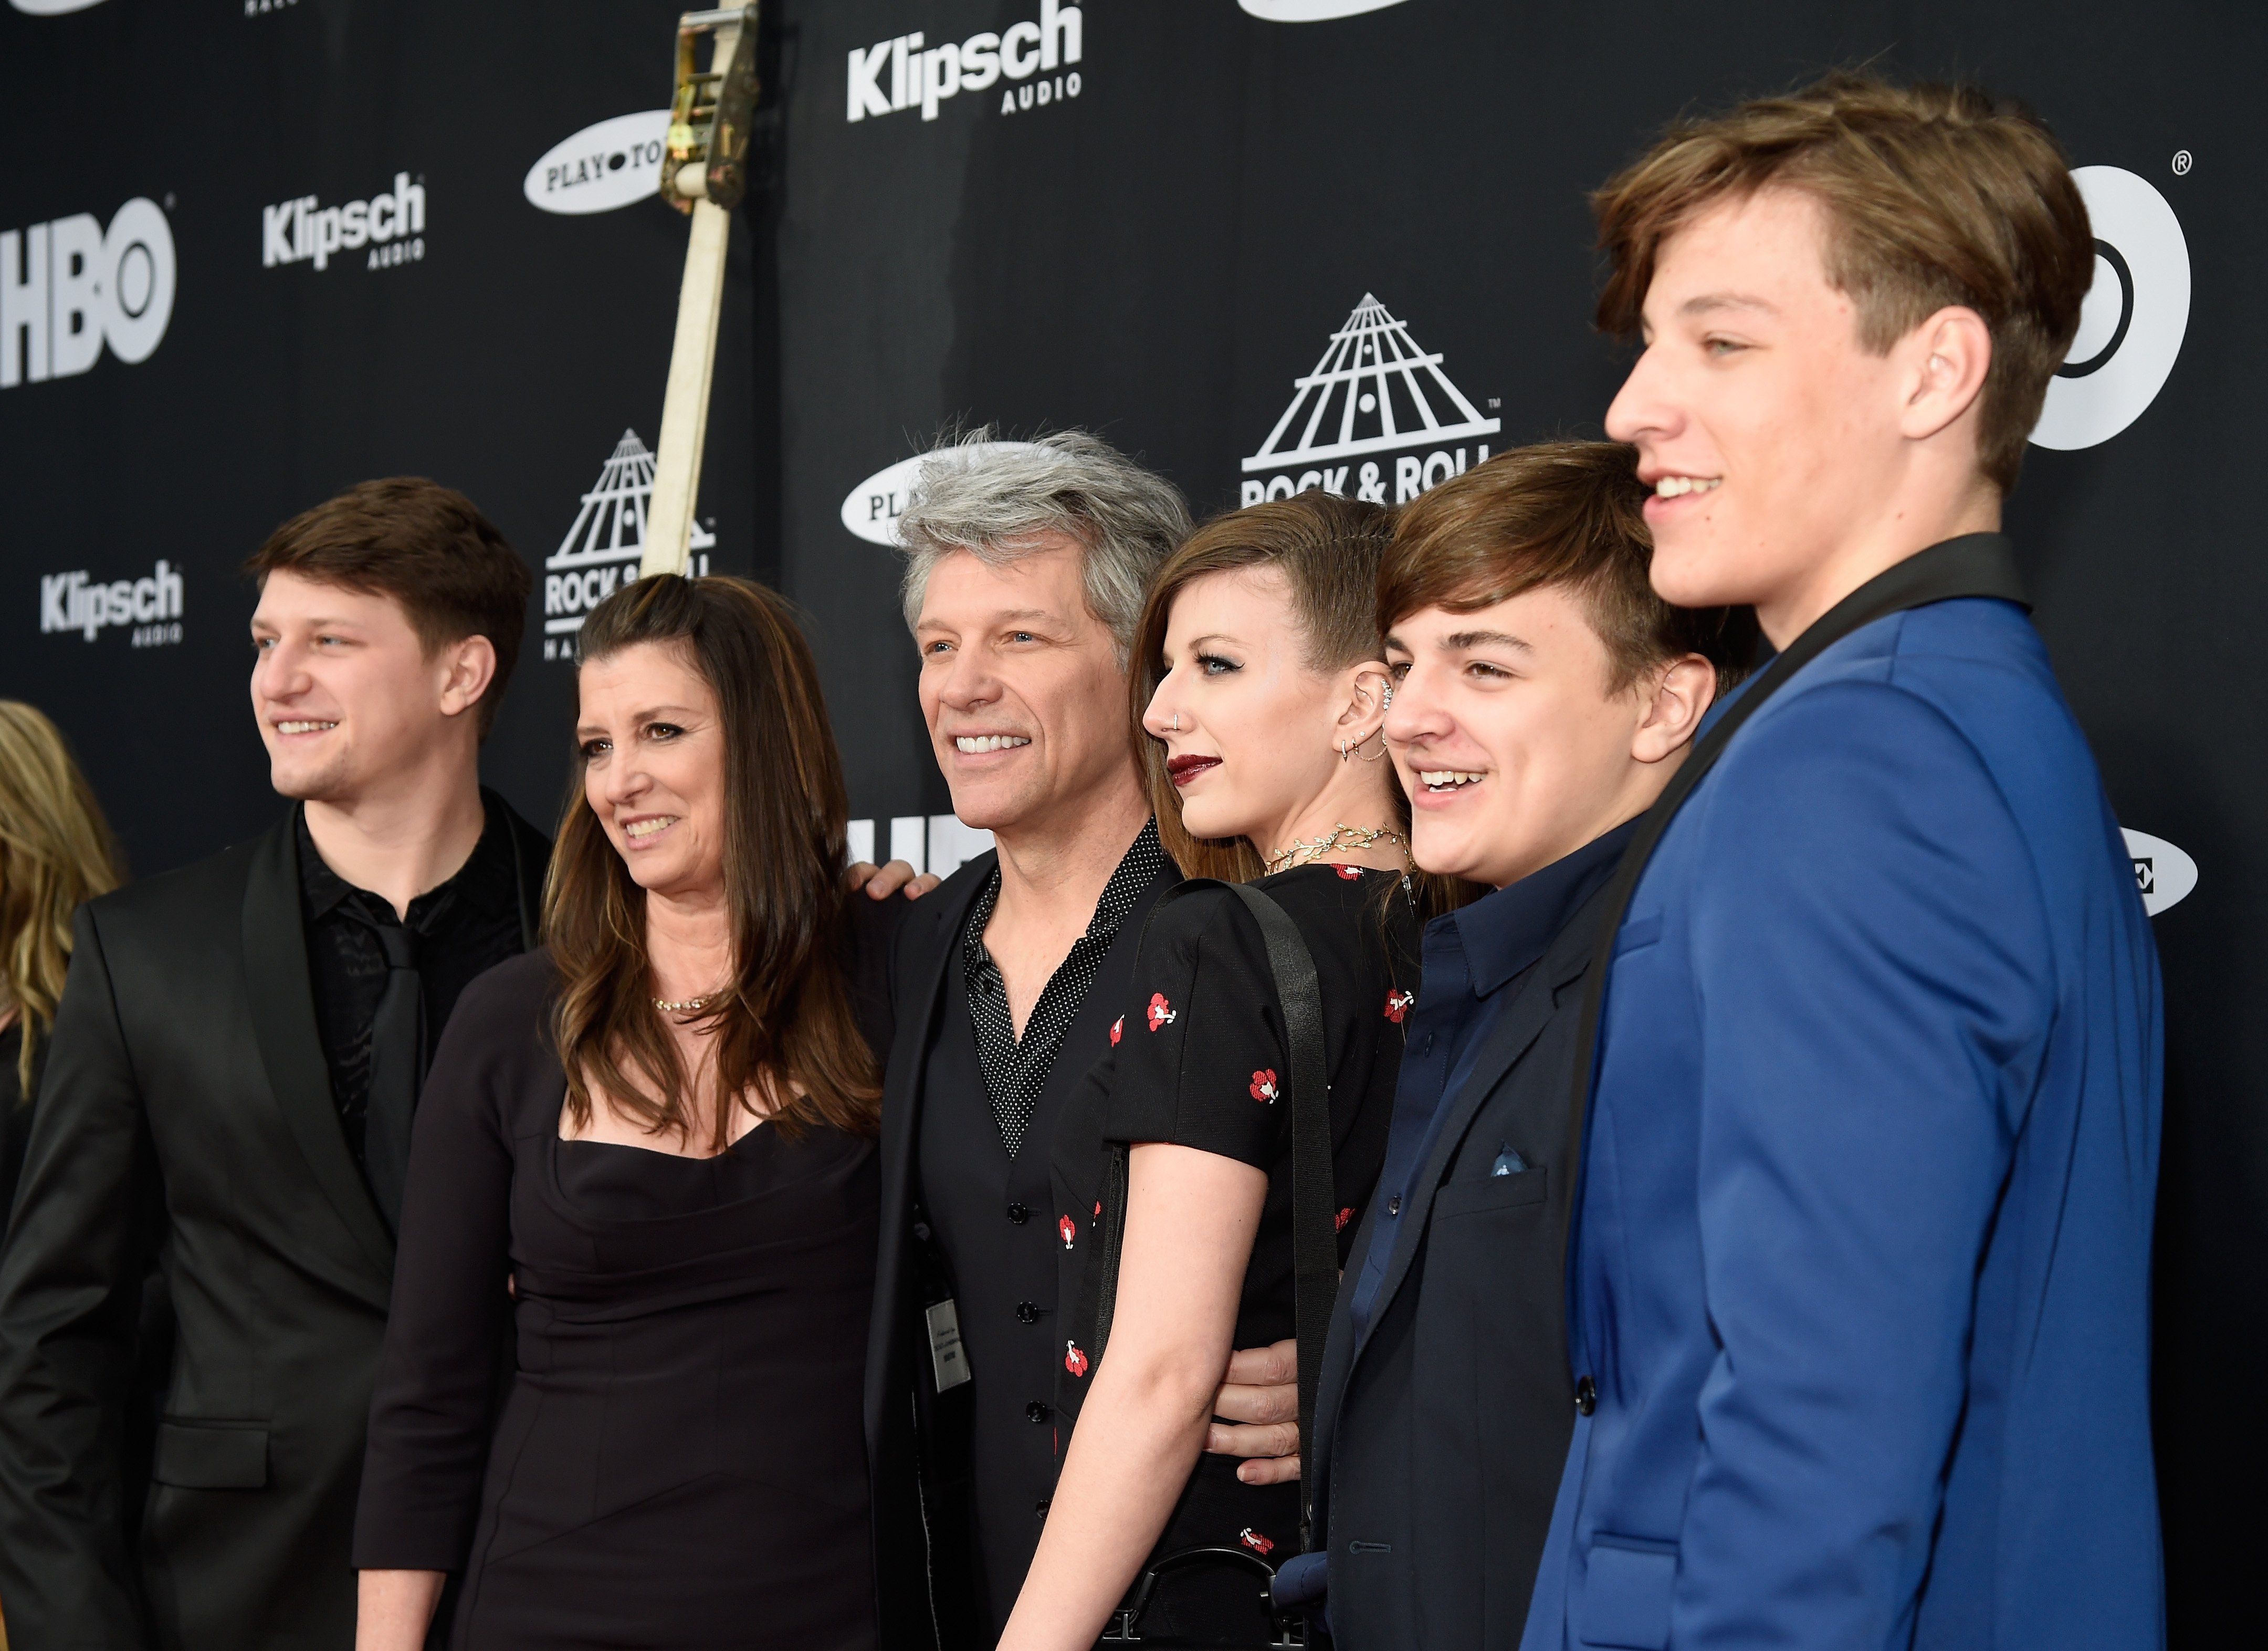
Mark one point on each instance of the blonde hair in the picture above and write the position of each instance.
(56, 850)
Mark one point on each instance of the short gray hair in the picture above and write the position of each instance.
(977, 493)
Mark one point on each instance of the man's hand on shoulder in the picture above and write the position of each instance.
(1258, 1414)
(881, 881)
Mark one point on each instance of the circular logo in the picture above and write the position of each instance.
(137, 292)
(871, 510)
(2136, 314)
(603, 166)
(2163, 873)
(1311, 10)
(52, 8)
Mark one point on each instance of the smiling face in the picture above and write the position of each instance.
(1250, 732)
(1021, 687)
(348, 700)
(1771, 436)
(1513, 752)
(652, 744)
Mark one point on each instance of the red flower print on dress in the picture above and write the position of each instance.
(1255, 1541)
(1351, 873)
(1263, 1086)
(1116, 1026)
(1344, 1216)
(1069, 1229)
(1160, 1012)
(1074, 1360)
(1397, 1005)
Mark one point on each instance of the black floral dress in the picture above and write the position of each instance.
(1198, 1058)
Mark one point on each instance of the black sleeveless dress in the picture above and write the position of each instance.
(668, 1450)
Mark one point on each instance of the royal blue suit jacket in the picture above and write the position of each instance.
(1862, 1265)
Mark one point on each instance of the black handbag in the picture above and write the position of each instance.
(1314, 1253)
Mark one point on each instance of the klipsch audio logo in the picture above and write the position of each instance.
(603, 166)
(2163, 872)
(1373, 392)
(600, 553)
(2137, 313)
(1311, 10)
(1030, 62)
(69, 287)
(391, 225)
(871, 510)
(152, 606)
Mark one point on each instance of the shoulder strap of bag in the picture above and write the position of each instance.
(1315, 1231)
(1974, 564)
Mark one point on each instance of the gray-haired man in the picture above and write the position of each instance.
(1025, 568)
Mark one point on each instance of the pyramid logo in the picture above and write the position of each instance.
(1375, 391)
(601, 552)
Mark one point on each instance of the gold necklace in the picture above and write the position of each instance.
(688, 1005)
(1340, 837)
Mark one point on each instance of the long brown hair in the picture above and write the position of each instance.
(784, 1025)
(56, 850)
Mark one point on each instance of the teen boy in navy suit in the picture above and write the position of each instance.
(1861, 1272)
(1543, 697)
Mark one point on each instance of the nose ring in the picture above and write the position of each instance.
(1175, 725)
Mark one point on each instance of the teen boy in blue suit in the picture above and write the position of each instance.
(1860, 1276)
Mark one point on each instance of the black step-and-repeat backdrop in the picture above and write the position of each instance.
(253, 250)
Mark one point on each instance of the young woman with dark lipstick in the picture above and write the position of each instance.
(1259, 689)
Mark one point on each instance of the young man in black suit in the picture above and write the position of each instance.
(227, 1102)
(1543, 697)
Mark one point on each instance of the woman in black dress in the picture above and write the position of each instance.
(1259, 682)
(659, 1129)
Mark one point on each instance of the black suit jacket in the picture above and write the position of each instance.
(186, 1123)
(926, 1561)
(1441, 1433)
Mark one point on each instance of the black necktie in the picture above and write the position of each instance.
(397, 1070)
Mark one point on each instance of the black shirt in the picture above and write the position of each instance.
(1198, 1058)
(465, 927)
(1016, 1070)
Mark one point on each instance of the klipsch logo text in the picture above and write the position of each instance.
(1374, 392)
(391, 225)
(602, 167)
(70, 286)
(2136, 314)
(1031, 63)
(601, 551)
(152, 606)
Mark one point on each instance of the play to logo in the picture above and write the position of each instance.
(603, 166)
(392, 225)
(1311, 10)
(2136, 314)
(152, 606)
(2163, 873)
(600, 553)
(871, 510)
(70, 286)
(1373, 392)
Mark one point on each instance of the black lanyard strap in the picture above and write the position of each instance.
(1974, 564)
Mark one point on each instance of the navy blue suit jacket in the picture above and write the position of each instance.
(1861, 1272)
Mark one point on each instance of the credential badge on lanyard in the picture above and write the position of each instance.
(946, 1357)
